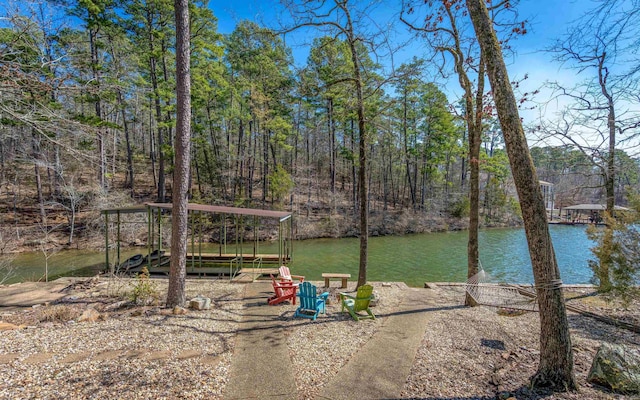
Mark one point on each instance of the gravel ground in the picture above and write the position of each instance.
(480, 353)
(130, 353)
(320, 348)
(149, 352)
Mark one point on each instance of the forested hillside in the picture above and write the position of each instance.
(87, 116)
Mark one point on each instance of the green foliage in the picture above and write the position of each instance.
(93, 120)
(281, 129)
(86, 144)
(168, 151)
(497, 165)
(514, 206)
(460, 208)
(617, 265)
(347, 153)
(281, 183)
(145, 291)
(9, 122)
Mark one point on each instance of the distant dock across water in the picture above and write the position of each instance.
(581, 214)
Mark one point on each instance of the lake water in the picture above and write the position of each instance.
(442, 257)
(414, 259)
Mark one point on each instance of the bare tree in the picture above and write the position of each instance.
(440, 27)
(556, 356)
(179, 211)
(341, 18)
(602, 115)
(7, 270)
(47, 246)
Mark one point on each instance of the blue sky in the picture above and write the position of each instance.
(548, 20)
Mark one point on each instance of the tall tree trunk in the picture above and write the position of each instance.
(57, 182)
(127, 138)
(216, 156)
(265, 163)
(603, 273)
(393, 188)
(152, 146)
(179, 211)
(308, 166)
(463, 167)
(252, 152)
(474, 124)
(362, 154)
(35, 146)
(603, 74)
(407, 156)
(240, 161)
(160, 131)
(354, 178)
(102, 163)
(473, 120)
(556, 356)
(332, 142)
(165, 75)
(424, 177)
(158, 111)
(196, 165)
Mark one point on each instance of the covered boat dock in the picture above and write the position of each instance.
(238, 255)
(585, 213)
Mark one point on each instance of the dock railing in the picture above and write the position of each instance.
(256, 263)
(237, 262)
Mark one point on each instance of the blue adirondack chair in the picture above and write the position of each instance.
(310, 302)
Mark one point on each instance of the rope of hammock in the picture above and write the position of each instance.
(484, 292)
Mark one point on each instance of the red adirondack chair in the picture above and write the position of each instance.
(284, 291)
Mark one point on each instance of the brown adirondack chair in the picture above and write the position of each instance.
(284, 291)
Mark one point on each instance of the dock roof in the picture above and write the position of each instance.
(281, 215)
(593, 207)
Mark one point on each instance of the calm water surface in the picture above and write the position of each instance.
(442, 257)
(414, 259)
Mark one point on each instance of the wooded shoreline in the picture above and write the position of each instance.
(90, 234)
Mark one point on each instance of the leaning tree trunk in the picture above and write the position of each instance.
(556, 356)
(179, 211)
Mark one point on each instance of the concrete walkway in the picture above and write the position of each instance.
(261, 366)
(380, 369)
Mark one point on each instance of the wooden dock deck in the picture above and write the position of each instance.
(242, 275)
(228, 257)
(248, 275)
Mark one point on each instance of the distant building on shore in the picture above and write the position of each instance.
(548, 197)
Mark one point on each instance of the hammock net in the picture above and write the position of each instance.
(484, 292)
